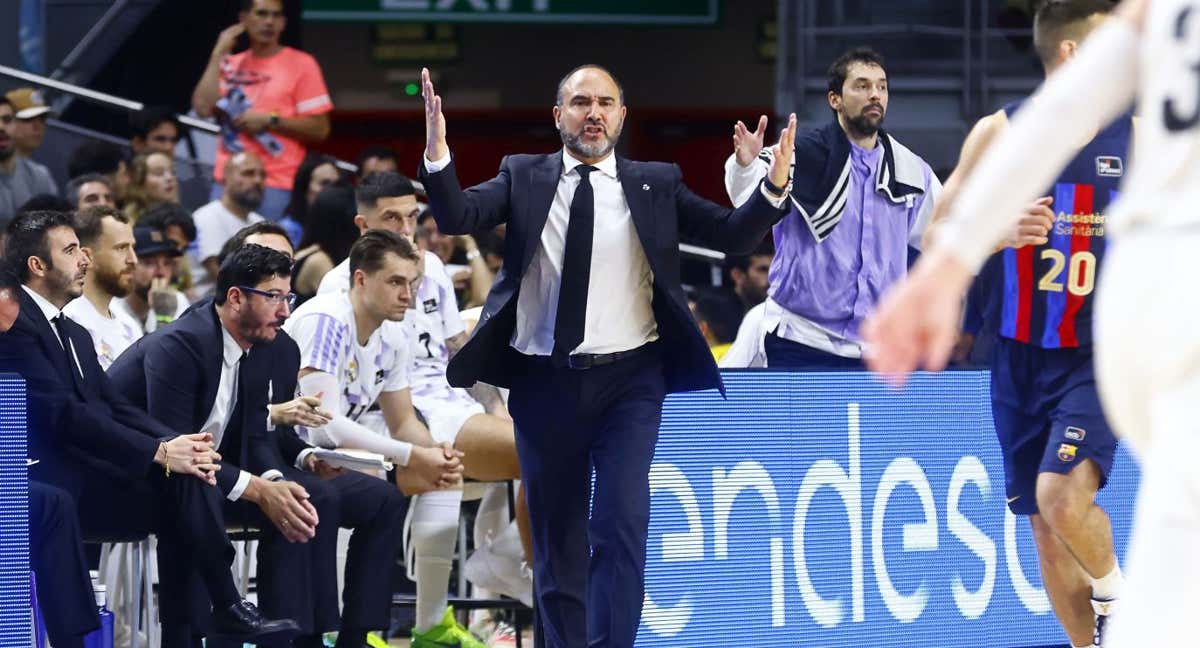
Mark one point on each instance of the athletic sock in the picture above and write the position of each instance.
(434, 533)
(1108, 587)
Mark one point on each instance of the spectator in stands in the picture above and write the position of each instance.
(377, 159)
(20, 177)
(317, 173)
(104, 158)
(152, 182)
(29, 130)
(327, 239)
(220, 219)
(861, 201)
(176, 224)
(90, 190)
(748, 275)
(154, 129)
(463, 259)
(717, 316)
(105, 234)
(152, 302)
(747, 349)
(32, 112)
(271, 100)
(45, 202)
(491, 245)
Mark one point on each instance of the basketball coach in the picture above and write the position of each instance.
(588, 326)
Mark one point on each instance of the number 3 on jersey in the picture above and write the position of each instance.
(1081, 272)
(1180, 114)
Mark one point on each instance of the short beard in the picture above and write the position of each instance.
(110, 283)
(574, 144)
(245, 323)
(249, 200)
(862, 125)
(6, 154)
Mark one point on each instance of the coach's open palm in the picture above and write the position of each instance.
(435, 121)
(781, 167)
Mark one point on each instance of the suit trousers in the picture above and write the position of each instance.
(299, 580)
(66, 600)
(588, 570)
(194, 552)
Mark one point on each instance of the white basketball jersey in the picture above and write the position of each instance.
(433, 319)
(1163, 186)
(324, 329)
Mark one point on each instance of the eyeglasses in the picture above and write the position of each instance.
(274, 298)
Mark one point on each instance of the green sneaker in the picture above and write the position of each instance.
(447, 634)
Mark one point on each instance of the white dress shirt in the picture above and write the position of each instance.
(620, 284)
(226, 400)
(51, 311)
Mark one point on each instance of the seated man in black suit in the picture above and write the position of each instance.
(106, 455)
(372, 507)
(210, 370)
(56, 551)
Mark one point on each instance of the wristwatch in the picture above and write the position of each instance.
(778, 192)
(274, 120)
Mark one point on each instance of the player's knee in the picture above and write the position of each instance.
(1061, 504)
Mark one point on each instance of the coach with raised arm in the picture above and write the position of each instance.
(588, 326)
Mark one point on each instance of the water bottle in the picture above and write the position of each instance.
(103, 637)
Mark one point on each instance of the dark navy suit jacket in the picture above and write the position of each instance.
(173, 374)
(662, 208)
(74, 418)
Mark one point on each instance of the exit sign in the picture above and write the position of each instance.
(646, 12)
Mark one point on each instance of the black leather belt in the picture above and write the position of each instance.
(589, 360)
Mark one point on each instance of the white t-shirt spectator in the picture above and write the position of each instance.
(748, 349)
(151, 324)
(214, 225)
(110, 335)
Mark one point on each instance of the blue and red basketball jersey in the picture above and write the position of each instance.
(1047, 290)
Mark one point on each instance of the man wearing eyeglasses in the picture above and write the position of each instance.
(209, 371)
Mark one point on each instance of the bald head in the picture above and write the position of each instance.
(244, 180)
(587, 72)
(239, 161)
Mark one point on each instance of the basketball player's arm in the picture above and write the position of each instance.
(916, 323)
(432, 465)
(401, 418)
(341, 431)
(1037, 218)
(487, 395)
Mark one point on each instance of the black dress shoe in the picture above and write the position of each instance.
(243, 621)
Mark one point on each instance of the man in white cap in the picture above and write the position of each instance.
(32, 113)
(20, 177)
